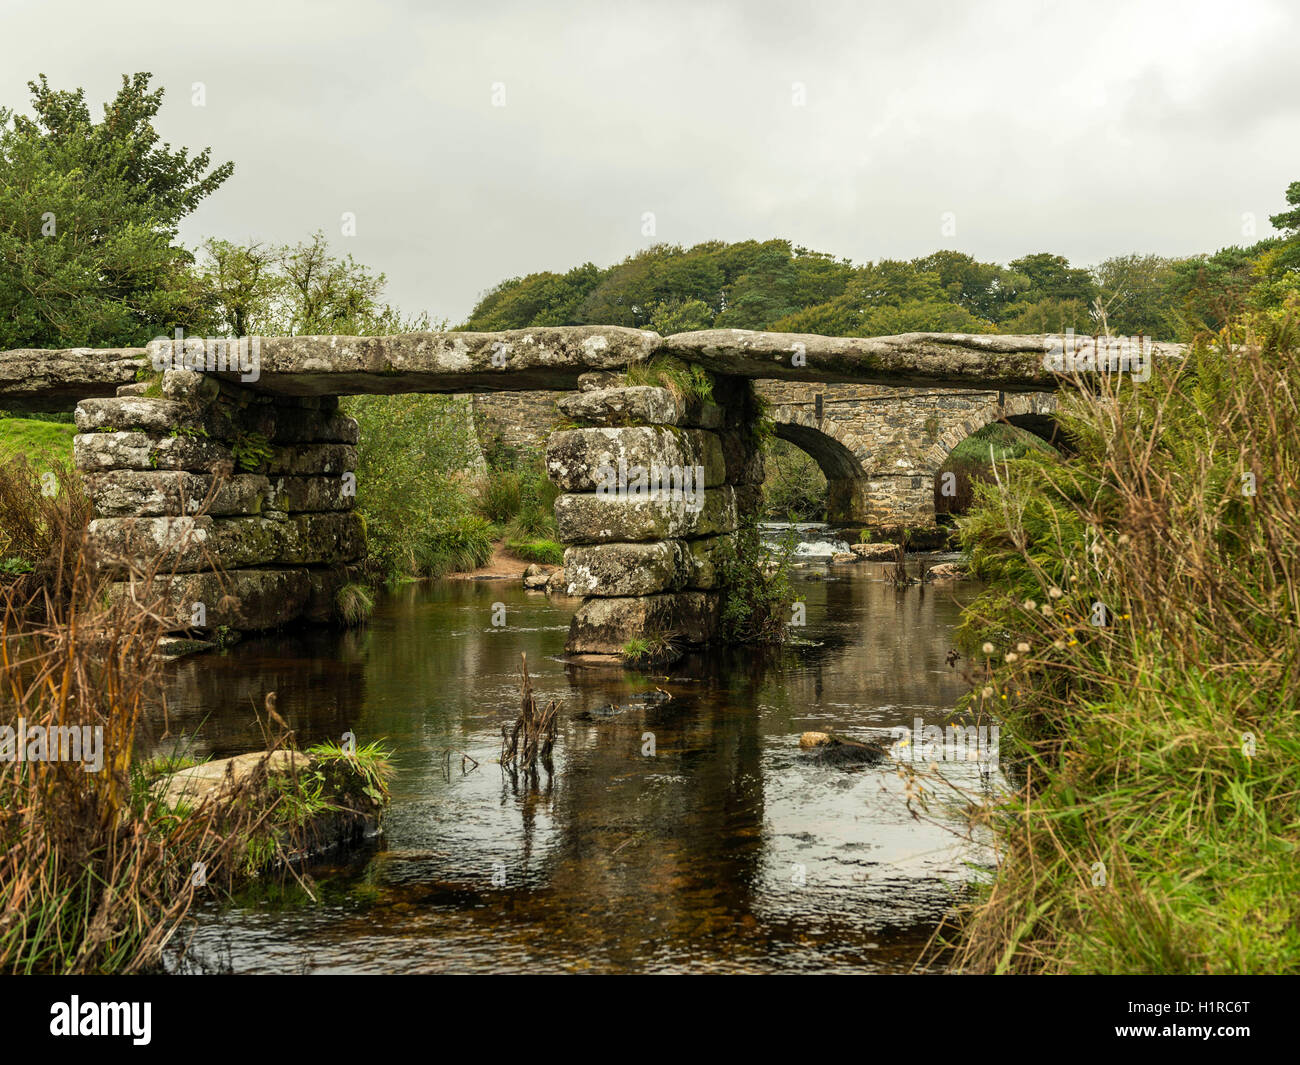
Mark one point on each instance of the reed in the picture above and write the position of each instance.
(533, 733)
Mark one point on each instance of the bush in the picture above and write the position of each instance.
(501, 496)
(794, 487)
(519, 495)
(1147, 594)
(756, 589)
(412, 490)
(972, 461)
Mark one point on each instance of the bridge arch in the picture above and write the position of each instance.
(1034, 412)
(836, 450)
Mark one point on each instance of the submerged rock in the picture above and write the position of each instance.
(875, 552)
(945, 571)
(841, 750)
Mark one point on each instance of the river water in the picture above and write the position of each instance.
(726, 849)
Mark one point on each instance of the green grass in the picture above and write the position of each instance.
(37, 439)
(354, 604)
(651, 651)
(1155, 757)
(683, 380)
(546, 552)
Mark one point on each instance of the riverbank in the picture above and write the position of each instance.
(1139, 645)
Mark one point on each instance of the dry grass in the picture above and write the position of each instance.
(533, 733)
(96, 874)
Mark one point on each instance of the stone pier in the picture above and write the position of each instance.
(271, 475)
(655, 486)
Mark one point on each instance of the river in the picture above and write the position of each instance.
(727, 849)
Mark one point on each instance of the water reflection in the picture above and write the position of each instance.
(726, 849)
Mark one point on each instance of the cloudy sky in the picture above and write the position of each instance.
(475, 141)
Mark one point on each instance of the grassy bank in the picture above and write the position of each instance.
(97, 871)
(1140, 643)
(37, 438)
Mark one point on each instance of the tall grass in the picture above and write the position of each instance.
(42, 504)
(93, 876)
(97, 873)
(1141, 644)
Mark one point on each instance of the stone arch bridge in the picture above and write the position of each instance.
(222, 473)
(880, 448)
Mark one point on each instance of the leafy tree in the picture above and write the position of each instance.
(1052, 277)
(1048, 316)
(1135, 294)
(268, 289)
(89, 214)
(1215, 289)
(538, 299)
(984, 289)
(680, 316)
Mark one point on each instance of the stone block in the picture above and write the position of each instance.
(143, 451)
(590, 518)
(608, 460)
(626, 569)
(187, 545)
(312, 459)
(150, 493)
(603, 626)
(248, 599)
(322, 492)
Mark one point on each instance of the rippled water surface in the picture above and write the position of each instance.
(727, 850)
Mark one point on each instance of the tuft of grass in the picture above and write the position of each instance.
(354, 604)
(546, 552)
(686, 381)
(653, 650)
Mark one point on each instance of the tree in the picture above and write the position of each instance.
(1135, 295)
(263, 289)
(984, 289)
(89, 214)
(1289, 223)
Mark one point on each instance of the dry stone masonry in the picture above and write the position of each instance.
(237, 482)
(655, 485)
(241, 502)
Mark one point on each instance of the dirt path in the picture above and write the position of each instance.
(501, 566)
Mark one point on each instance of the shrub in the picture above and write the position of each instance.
(794, 487)
(501, 497)
(1144, 617)
(411, 489)
(756, 588)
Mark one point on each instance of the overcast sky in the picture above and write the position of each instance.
(855, 128)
